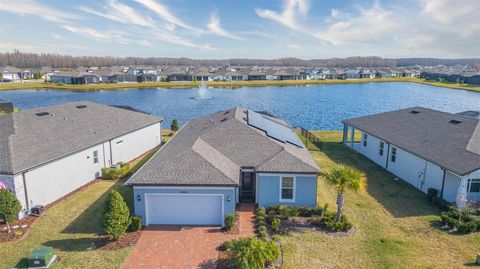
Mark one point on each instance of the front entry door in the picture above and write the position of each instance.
(247, 187)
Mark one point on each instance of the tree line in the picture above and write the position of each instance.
(20, 59)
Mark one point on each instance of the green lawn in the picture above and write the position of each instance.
(396, 227)
(70, 227)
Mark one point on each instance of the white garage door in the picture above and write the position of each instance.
(186, 209)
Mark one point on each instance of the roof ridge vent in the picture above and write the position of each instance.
(414, 112)
(43, 113)
(454, 121)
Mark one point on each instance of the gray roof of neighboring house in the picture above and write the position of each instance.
(429, 134)
(28, 140)
(212, 149)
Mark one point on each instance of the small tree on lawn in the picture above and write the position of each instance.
(9, 206)
(343, 178)
(116, 217)
(174, 125)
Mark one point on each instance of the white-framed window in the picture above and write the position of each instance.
(381, 147)
(474, 185)
(95, 156)
(393, 156)
(287, 189)
(365, 140)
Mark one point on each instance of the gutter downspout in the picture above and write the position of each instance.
(26, 192)
(111, 155)
(443, 182)
(388, 156)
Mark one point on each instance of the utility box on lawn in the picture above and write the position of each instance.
(41, 257)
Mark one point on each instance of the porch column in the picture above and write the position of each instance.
(352, 137)
(345, 133)
(461, 200)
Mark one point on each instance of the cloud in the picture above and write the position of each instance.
(454, 16)
(289, 17)
(165, 14)
(177, 40)
(30, 7)
(216, 28)
(119, 12)
(293, 46)
(369, 24)
(113, 36)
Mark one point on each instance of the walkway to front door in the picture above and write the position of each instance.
(166, 246)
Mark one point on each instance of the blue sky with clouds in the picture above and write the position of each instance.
(243, 29)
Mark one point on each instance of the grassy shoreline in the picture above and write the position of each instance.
(190, 84)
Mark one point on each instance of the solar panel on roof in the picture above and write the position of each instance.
(273, 129)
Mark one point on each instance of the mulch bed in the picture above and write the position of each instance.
(302, 224)
(21, 227)
(236, 227)
(127, 240)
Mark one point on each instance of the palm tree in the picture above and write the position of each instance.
(343, 178)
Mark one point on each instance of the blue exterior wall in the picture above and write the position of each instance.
(268, 190)
(229, 206)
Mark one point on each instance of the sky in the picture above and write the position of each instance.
(263, 29)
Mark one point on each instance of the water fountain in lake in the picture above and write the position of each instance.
(202, 93)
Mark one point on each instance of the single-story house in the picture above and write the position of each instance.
(48, 152)
(424, 147)
(74, 77)
(219, 160)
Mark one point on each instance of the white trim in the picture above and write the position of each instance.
(293, 190)
(145, 195)
(247, 170)
(181, 188)
(256, 188)
(287, 174)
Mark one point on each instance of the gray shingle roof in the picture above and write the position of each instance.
(28, 140)
(429, 134)
(211, 150)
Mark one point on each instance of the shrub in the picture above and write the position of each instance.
(462, 221)
(260, 218)
(174, 125)
(136, 224)
(274, 208)
(261, 211)
(263, 235)
(115, 173)
(261, 223)
(306, 211)
(251, 253)
(9, 206)
(116, 216)
(272, 213)
(431, 192)
(230, 221)
(276, 223)
(288, 211)
(329, 222)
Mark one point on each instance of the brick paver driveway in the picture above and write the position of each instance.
(184, 247)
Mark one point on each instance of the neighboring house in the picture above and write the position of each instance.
(139, 70)
(10, 74)
(74, 77)
(424, 147)
(256, 75)
(180, 76)
(214, 162)
(233, 75)
(48, 152)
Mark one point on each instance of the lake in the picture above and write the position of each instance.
(320, 107)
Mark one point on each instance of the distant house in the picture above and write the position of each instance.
(12, 74)
(139, 70)
(233, 76)
(116, 76)
(219, 160)
(73, 77)
(180, 76)
(352, 74)
(48, 152)
(256, 75)
(428, 149)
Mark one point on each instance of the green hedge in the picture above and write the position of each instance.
(465, 221)
(293, 211)
(328, 220)
(230, 221)
(136, 224)
(115, 173)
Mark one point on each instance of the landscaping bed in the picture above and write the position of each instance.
(19, 228)
(127, 240)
